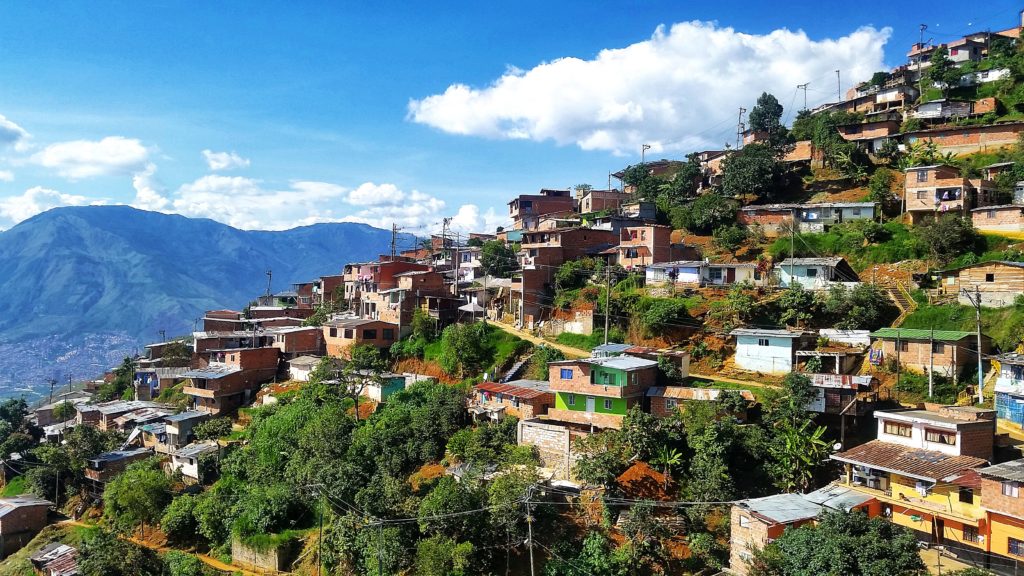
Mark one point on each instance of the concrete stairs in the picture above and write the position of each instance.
(516, 369)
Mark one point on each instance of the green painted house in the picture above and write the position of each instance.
(599, 391)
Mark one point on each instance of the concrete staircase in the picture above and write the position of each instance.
(516, 369)
(900, 296)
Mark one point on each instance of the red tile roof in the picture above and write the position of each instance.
(913, 462)
(969, 479)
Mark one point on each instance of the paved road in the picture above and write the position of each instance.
(571, 351)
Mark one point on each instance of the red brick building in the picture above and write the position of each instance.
(640, 246)
(340, 335)
(228, 379)
(522, 399)
(21, 518)
(527, 208)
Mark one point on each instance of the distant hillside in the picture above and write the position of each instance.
(81, 286)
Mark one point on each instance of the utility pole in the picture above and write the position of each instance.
(529, 526)
(920, 77)
(975, 300)
(163, 336)
(804, 88)
(456, 265)
(607, 300)
(320, 537)
(53, 382)
(839, 87)
(270, 277)
(643, 153)
(380, 548)
(739, 127)
(792, 241)
(931, 361)
(394, 239)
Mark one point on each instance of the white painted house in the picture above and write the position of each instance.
(702, 273)
(187, 459)
(767, 351)
(815, 273)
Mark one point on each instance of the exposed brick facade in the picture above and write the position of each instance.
(948, 358)
(20, 524)
(999, 218)
(970, 139)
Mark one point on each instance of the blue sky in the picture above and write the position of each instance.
(383, 112)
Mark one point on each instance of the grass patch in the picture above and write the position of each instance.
(1004, 325)
(588, 342)
(848, 240)
(16, 486)
(18, 564)
(265, 542)
(913, 388)
(757, 391)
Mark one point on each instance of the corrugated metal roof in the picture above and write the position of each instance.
(187, 415)
(921, 334)
(611, 348)
(838, 497)
(687, 393)
(914, 462)
(766, 332)
(832, 261)
(1012, 470)
(525, 389)
(212, 372)
(8, 505)
(782, 508)
(195, 449)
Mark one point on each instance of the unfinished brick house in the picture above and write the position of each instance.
(223, 321)
(104, 467)
(600, 200)
(949, 352)
(999, 282)
(340, 335)
(932, 191)
(525, 209)
(21, 518)
(665, 401)
(640, 246)
(1002, 218)
(969, 139)
(296, 341)
(228, 379)
(522, 399)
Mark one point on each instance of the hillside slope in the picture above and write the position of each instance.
(108, 278)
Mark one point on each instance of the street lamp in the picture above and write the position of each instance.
(643, 149)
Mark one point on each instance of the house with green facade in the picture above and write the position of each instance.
(599, 391)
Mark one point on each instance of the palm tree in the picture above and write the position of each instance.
(666, 458)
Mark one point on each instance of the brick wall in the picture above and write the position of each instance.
(992, 498)
(977, 439)
(23, 520)
(308, 340)
(580, 381)
(916, 356)
(970, 139)
(744, 540)
(553, 444)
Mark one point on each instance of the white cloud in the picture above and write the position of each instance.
(149, 193)
(246, 203)
(224, 160)
(676, 91)
(79, 159)
(11, 133)
(6, 176)
(385, 204)
(470, 219)
(35, 200)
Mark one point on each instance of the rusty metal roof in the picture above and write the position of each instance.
(525, 389)
(916, 463)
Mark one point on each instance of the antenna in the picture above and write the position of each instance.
(804, 88)
(270, 277)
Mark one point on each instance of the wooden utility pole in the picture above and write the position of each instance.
(804, 88)
(898, 365)
(529, 526)
(975, 300)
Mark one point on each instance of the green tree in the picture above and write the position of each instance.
(707, 212)
(797, 452)
(730, 238)
(104, 554)
(64, 412)
(947, 237)
(766, 117)
(942, 70)
(179, 519)
(213, 429)
(847, 543)
(863, 307)
(498, 259)
(119, 384)
(183, 564)
(538, 368)
(462, 349)
(797, 305)
(603, 456)
(754, 171)
(137, 496)
(595, 558)
(447, 498)
(881, 193)
(442, 556)
(176, 354)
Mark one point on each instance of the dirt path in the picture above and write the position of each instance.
(571, 351)
(208, 560)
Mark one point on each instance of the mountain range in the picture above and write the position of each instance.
(81, 287)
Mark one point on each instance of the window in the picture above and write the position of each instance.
(369, 334)
(970, 533)
(903, 346)
(954, 51)
(897, 428)
(922, 176)
(812, 272)
(990, 277)
(762, 342)
(349, 333)
(1011, 489)
(966, 495)
(938, 348)
(570, 399)
(565, 373)
(389, 334)
(940, 436)
(990, 214)
(333, 332)
(671, 403)
(1015, 547)
(744, 522)
(856, 212)
(607, 403)
(715, 274)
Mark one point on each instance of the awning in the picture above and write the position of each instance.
(472, 307)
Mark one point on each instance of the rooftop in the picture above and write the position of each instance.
(838, 497)
(302, 361)
(687, 393)
(183, 416)
(777, 333)
(212, 372)
(1012, 470)
(921, 334)
(10, 504)
(782, 508)
(116, 455)
(526, 389)
(831, 261)
(913, 462)
(626, 363)
(611, 348)
(196, 449)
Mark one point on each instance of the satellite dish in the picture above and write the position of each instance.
(837, 446)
